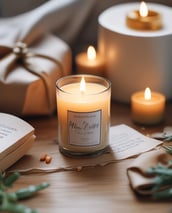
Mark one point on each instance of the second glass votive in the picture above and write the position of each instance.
(83, 106)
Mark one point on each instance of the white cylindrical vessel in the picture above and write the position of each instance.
(136, 59)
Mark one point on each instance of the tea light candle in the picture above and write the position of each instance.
(90, 62)
(83, 105)
(147, 107)
(144, 19)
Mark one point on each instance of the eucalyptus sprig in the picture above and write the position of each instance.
(162, 178)
(9, 200)
(165, 135)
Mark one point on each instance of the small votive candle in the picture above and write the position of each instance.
(147, 107)
(90, 62)
(83, 106)
(144, 19)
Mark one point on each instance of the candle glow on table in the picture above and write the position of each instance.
(144, 19)
(90, 62)
(83, 105)
(147, 107)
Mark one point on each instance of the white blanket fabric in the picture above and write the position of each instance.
(75, 21)
(62, 16)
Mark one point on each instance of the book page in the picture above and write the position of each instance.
(13, 131)
(16, 154)
(126, 142)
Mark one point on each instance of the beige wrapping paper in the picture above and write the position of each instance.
(30, 89)
(28, 75)
(140, 181)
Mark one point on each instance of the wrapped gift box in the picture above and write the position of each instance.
(28, 75)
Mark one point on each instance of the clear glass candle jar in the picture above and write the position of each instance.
(83, 106)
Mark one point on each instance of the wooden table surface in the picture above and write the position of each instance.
(91, 190)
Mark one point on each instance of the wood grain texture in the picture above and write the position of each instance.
(93, 190)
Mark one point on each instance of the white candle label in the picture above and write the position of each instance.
(84, 128)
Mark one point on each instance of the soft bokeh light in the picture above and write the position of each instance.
(147, 94)
(91, 53)
(143, 9)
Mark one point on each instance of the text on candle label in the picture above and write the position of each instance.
(84, 128)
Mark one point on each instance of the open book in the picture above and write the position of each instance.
(16, 138)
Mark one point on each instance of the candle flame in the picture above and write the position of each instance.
(143, 9)
(82, 85)
(147, 94)
(91, 53)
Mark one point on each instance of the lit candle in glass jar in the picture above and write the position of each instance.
(144, 19)
(147, 107)
(83, 105)
(90, 62)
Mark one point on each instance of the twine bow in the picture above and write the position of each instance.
(20, 54)
(20, 49)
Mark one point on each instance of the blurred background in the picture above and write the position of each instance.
(86, 32)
